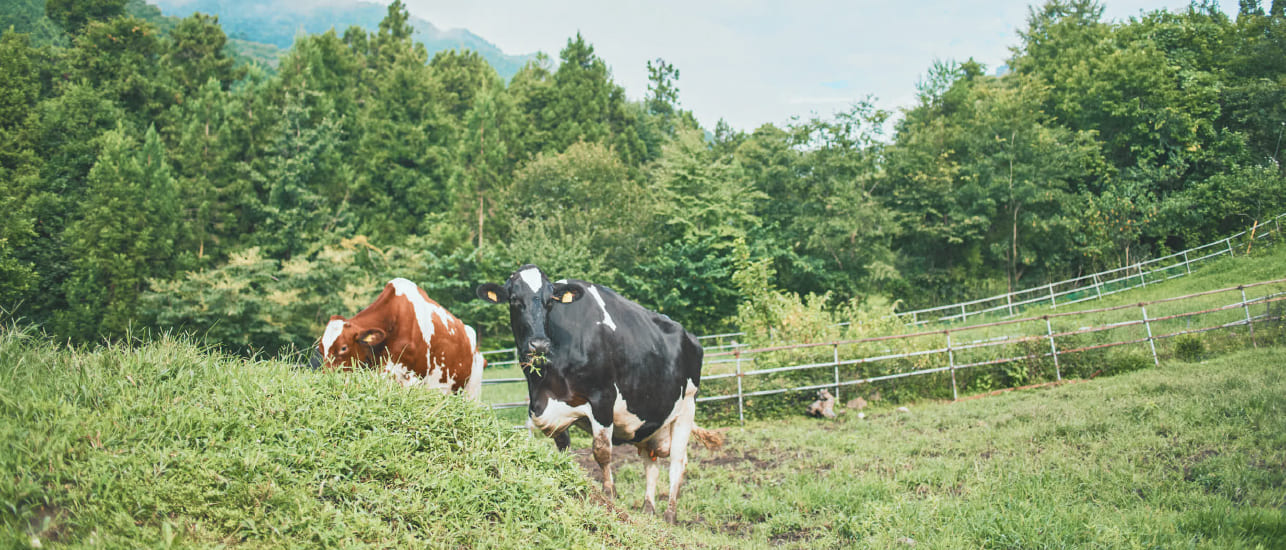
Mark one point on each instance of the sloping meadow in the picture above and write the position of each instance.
(167, 443)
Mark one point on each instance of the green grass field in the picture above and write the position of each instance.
(1189, 455)
(166, 444)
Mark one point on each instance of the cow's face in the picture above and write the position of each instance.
(345, 344)
(530, 297)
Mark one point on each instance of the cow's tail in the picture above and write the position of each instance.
(709, 439)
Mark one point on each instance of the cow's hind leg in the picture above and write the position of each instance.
(679, 451)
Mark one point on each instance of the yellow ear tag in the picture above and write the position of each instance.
(567, 298)
(491, 295)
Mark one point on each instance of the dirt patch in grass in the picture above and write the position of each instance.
(794, 535)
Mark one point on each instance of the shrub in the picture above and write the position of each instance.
(1189, 347)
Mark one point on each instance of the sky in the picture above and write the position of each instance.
(755, 61)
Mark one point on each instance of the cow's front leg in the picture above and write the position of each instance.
(562, 440)
(603, 455)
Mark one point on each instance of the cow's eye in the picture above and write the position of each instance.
(343, 349)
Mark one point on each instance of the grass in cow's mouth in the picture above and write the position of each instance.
(535, 361)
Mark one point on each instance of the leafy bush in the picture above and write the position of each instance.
(1189, 347)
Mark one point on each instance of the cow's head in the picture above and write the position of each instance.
(530, 296)
(345, 344)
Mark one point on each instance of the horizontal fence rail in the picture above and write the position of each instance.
(744, 359)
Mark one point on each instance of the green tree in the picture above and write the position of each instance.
(195, 53)
(19, 165)
(73, 15)
(124, 233)
(463, 75)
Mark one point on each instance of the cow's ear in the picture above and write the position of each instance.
(566, 293)
(371, 337)
(493, 293)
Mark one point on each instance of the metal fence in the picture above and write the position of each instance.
(1098, 285)
(746, 359)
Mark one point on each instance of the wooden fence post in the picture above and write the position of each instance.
(1097, 287)
(1151, 343)
(1049, 329)
(1052, 302)
(1187, 265)
(963, 314)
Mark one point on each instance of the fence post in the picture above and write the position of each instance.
(963, 314)
(951, 362)
(1155, 361)
(1251, 241)
(1009, 301)
(741, 411)
(1228, 242)
(1097, 287)
(1052, 303)
(1187, 265)
(1249, 323)
(1139, 267)
(836, 349)
(1049, 329)
(914, 321)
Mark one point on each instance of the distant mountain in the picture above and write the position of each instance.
(277, 24)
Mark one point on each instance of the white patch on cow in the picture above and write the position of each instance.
(333, 330)
(473, 387)
(561, 282)
(531, 276)
(473, 337)
(607, 317)
(659, 441)
(402, 375)
(424, 312)
(558, 415)
(625, 422)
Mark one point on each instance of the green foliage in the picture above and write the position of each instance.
(125, 233)
(1189, 347)
(73, 15)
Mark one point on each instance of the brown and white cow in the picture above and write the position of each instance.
(411, 338)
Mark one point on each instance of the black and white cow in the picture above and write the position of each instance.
(599, 361)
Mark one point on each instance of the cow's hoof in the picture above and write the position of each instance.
(669, 515)
(649, 508)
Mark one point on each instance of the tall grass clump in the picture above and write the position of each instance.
(166, 443)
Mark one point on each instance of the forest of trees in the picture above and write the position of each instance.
(150, 180)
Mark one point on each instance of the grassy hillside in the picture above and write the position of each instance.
(168, 444)
(1189, 455)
